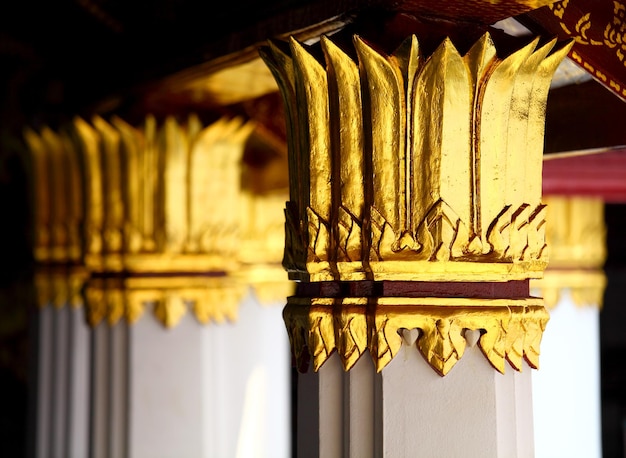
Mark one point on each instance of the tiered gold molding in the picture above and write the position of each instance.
(418, 168)
(413, 167)
(157, 192)
(149, 217)
(57, 218)
(262, 245)
(511, 329)
(576, 235)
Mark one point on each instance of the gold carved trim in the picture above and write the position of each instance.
(262, 243)
(169, 298)
(60, 285)
(152, 218)
(511, 329)
(154, 205)
(576, 234)
(58, 207)
(390, 175)
(586, 287)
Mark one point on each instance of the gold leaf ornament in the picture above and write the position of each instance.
(407, 126)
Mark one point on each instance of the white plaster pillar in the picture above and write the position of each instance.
(319, 423)
(415, 204)
(193, 390)
(79, 387)
(409, 410)
(62, 412)
(110, 398)
(567, 387)
(473, 411)
(566, 390)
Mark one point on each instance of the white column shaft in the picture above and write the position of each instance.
(62, 420)
(409, 410)
(210, 390)
(109, 399)
(79, 388)
(45, 373)
(567, 387)
(474, 411)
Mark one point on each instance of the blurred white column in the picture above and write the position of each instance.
(62, 412)
(210, 390)
(566, 389)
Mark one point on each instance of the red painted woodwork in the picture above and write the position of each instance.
(485, 290)
(601, 174)
(598, 30)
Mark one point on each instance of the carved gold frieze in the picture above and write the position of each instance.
(162, 216)
(576, 234)
(415, 167)
(511, 329)
(168, 298)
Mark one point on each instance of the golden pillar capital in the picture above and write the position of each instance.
(151, 218)
(415, 168)
(576, 234)
(161, 220)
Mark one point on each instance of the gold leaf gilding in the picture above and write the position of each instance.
(155, 236)
(410, 133)
(419, 168)
(511, 329)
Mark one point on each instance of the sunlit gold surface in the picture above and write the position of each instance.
(576, 235)
(233, 84)
(413, 167)
(420, 168)
(511, 329)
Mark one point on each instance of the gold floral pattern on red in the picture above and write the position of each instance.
(599, 32)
